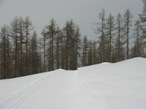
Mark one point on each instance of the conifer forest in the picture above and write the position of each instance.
(24, 52)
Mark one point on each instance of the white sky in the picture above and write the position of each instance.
(83, 12)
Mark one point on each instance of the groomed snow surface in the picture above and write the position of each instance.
(105, 86)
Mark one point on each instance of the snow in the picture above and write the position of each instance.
(120, 85)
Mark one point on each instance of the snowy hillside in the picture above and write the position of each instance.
(105, 86)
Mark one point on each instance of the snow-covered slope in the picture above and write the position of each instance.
(105, 86)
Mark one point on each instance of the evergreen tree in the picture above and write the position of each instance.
(143, 26)
(58, 48)
(51, 34)
(90, 54)
(84, 54)
(34, 54)
(15, 37)
(28, 30)
(43, 42)
(119, 42)
(110, 27)
(127, 25)
(102, 41)
(137, 50)
(5, 56)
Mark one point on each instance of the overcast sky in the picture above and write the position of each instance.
(83, 12)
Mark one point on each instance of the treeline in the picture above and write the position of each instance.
(23, 52)
(118, 39)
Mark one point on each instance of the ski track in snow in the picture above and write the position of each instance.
(69, 87)
(104, 86)
(19, 96)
